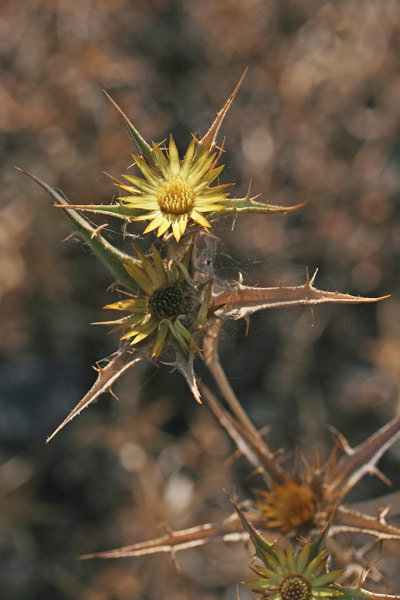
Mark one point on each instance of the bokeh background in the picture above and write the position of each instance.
(317, 120)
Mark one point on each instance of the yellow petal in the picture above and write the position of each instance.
(208, 207)
(183, 224)
(176, 229)
(160, 340)
(187, 161)
(201, 168)
(142, 184)
(159, 266)
(209, 178)
(198, 217)
(164, 226)
(162, 161)
(149, 172)
(156, 222)
(139, 338)
(139, 202)
(173, 156)
(140, 276)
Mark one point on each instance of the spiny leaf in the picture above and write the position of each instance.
(185, 367)
(348, 520)
(115, 210)
(141, 144)
(237, 206)
(210, 139)
(111, 257)
(362, 459)
(350, 593)
(228, 530)
(260, 543)
(123, 360)
(243, 301)
(317, 545)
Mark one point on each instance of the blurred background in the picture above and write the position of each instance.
(317, 120)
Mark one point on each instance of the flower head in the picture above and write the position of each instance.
(289, 506)
(174, 191)
(170, 303)
(286, 577)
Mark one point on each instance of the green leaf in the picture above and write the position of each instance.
(356, 593)
(237, 206)
(261, 545)
(111, 257)
(317, 545)
(140, 142)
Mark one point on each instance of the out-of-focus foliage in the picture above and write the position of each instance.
(317, 120)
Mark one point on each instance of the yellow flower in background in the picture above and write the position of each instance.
(289, 506)
(170, 303)
(174, 191)
(286, 577)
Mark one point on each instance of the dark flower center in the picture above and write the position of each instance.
(295, 588)
(171, 301)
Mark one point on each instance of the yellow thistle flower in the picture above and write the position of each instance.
(289, 506)
(286, 577)
(170, 303)
(174, 191)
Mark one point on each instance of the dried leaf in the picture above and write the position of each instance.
(123, 360)
(348, 520)
(361, 460)
(228, 530)
(244, 301)
(185, 367)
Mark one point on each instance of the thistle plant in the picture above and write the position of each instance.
(291, 504)
(175, 193)
(174, 311)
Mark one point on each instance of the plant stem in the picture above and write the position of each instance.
(229, 395)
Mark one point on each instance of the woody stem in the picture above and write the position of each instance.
(229, 395)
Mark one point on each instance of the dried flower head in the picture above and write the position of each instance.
(170, 303)
(173, 191)
(289, 506)
(286, 577)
